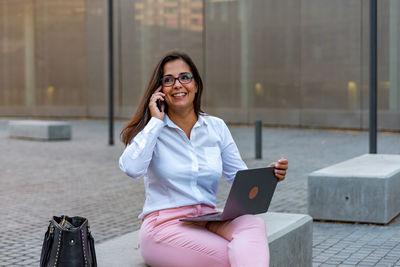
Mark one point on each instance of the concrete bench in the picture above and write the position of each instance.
(40, 130)
(289, 236)
(362, 189)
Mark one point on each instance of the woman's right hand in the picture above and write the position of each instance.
(154, 111)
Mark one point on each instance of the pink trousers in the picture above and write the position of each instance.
(167, 242)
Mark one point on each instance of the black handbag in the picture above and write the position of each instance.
(68, 243)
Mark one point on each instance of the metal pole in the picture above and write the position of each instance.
(258, 137)
(373, 76)
(110, 74)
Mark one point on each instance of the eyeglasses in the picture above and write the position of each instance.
(170, 80)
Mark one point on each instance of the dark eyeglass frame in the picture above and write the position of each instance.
(180, 78)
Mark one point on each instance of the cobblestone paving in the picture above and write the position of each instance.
(350, 245)
(81, 177)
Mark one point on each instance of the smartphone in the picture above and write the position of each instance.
(158, 102)
(159, 105)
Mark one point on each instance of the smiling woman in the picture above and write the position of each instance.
(178, 90)
(181, 153)
(161, 79)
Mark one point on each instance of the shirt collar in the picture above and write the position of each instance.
(171, 124)
(200, 121)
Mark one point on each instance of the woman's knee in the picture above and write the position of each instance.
(252, 221)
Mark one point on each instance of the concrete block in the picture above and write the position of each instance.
(3, 124)
(41, 130)
(289, 237)
(120, 251)
(362, 189)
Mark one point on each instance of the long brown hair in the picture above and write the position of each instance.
(142, 115)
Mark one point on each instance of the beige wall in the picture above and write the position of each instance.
(42, 58)
(300, 63)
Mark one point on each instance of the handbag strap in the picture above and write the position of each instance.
(63, 221)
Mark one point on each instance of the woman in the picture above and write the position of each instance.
(182, 152)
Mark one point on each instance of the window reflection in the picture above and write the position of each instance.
(182, 14)
(290, 60)
(150, 28)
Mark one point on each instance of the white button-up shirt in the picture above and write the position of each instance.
(179, 171)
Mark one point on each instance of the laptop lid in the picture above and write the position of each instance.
(251, 192)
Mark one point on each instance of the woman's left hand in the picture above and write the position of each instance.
(281, 167)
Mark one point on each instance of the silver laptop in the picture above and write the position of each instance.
(251, 193)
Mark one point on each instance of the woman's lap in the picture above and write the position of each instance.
(166, 241)
(184, 245)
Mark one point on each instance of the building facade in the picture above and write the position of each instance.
(294, 63)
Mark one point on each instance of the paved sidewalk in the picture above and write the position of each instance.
(81, 177)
